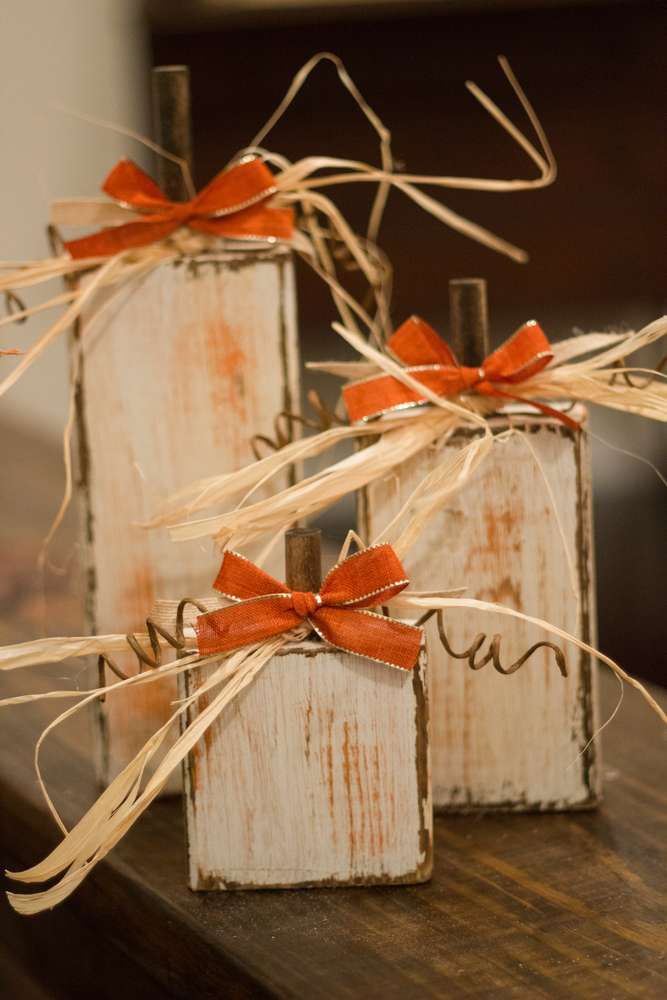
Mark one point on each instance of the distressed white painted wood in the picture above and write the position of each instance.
(318, 774)
(509, 742)
(179, 371)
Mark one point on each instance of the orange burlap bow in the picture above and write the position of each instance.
(233, 205)
(337, 612)
(430, 361)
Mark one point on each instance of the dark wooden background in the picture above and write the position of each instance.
(595, 73)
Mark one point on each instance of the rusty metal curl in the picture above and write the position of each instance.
(55, 240)
(155, 632)
(324, 420)
(493, 653)
(640, 381)
(176, 641)
(13, 305)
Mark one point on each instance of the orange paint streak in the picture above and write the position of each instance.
(347, 782)
(504, 592)
(327, 763)
(354, 756)
(500, 526)
(307, 733)
(503, 533)
(229, 372)
(377, 797)
(137, 595)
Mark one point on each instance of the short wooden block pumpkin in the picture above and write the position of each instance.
(317, 775)
(511, 742)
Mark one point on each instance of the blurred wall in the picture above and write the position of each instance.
(89, 57)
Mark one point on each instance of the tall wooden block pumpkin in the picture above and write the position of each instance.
(509, 742)
(178, 371)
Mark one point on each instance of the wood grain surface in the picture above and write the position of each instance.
(516, 742)
(317, 775)
(178, 372)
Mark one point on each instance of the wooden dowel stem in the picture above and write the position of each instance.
(172, 126)
(303, 559)
(469, 320)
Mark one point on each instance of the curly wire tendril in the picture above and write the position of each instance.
(176, 641)
(14, 305)
(55, 240)
(638, 383)
(283, 423)
(16, 309)
(155, 632)
(493, 653)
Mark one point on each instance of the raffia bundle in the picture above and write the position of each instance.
(584, 368)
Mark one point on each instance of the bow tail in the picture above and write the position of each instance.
(255, 222)
(368, 634)
(383, 393)
(548, 411)
(109, 242)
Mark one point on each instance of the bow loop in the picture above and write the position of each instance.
(365, 580)
(240, 579)
(238, 187)
(417, 343)
(370, 635)
(131, 185)
(525, 354)
(338, 613)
